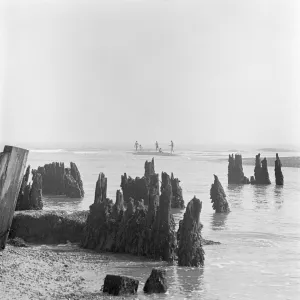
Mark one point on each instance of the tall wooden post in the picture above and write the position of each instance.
(12, 165)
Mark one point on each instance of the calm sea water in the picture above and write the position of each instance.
(259, 255)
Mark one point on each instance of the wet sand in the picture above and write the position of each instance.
(57, 272)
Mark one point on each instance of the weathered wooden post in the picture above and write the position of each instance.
(12, 165)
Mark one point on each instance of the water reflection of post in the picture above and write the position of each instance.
(235, 194)
(278, 196)
(260, 196)
(188, 281)
(218, 221)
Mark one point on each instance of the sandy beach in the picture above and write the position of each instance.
(51, 272)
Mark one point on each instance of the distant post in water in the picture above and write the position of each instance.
(235, 170)
(261, 173)
(278, 172)
(12, 166)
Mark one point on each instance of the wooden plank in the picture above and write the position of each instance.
(12, 165)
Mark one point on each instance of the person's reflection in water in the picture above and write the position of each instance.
(278, 197)
(188, 281)
(218, 221)
(235, 194)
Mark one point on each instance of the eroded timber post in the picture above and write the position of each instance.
(12, 165)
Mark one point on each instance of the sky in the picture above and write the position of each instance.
(197, 72)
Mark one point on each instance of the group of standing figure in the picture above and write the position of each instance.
(139, 147)
(160, 150)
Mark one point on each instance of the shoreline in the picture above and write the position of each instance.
(66, 271)
(63, 271)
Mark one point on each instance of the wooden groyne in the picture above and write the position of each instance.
(12, 165)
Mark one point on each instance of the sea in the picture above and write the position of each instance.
(259, 254)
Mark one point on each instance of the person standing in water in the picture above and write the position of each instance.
(136, 145)
(156, 145)
(172, 147)
(141, 148)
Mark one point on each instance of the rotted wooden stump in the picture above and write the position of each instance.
(157, 282)
(120, 285)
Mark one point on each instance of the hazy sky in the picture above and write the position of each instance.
(192, 71)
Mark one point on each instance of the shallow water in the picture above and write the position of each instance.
(259, 255)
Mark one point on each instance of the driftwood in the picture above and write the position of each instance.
(12, 166)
